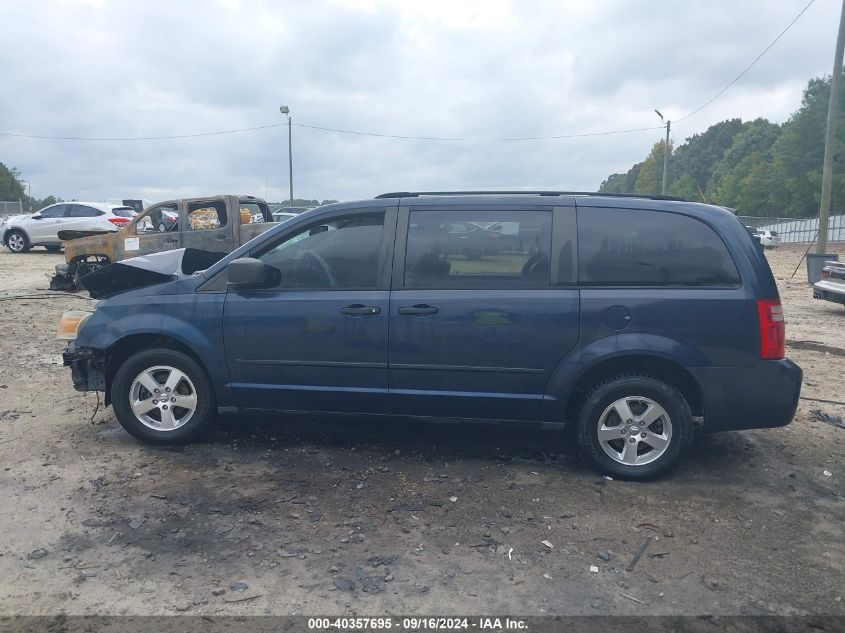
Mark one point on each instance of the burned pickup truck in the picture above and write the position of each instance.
(217, 224)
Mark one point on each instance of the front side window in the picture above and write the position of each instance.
(159, 219)
(206, 216)
(56, 211)
(341, 253)
(635, 247)
(82, 211)
(476, 248)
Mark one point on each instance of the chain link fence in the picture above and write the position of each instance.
(10, 208)
(798, 230)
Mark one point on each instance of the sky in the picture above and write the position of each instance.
(432, 68)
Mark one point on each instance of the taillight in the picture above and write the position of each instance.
(772, 329)
(120, 221)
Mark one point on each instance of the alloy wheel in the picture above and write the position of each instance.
(16, 242)
(634, 430)
(163, 398)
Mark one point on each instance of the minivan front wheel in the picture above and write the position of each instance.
(162, 396)
(634, 426)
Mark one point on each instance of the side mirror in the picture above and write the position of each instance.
(36, 216)
(246, 273)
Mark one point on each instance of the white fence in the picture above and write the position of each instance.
(10, 208)
(799, 230)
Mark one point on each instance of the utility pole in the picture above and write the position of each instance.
(830, 139)
(286, 111)
(666, 152)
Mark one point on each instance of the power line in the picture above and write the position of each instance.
(329, 129)
(747, 68)
(477, 139)
(139, 138)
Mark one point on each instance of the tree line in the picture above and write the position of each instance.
(12, 189)
(758, 167)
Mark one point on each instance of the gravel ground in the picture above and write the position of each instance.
(285, 516)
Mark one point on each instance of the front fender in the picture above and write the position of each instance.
(583, 359)
(194, 324)
(9, 229)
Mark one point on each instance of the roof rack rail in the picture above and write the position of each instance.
(417, 194)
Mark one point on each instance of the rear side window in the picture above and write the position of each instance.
(82, 211)
(252, 213)
(206, 216)
(634, 247)
(478, 249)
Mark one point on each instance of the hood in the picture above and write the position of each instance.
(16, 218)
(147, 270)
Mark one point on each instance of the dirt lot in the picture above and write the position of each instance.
(279, 516)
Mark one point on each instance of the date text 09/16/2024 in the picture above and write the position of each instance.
(417, 623)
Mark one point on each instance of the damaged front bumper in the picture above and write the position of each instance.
(87, 367)
(63, 279)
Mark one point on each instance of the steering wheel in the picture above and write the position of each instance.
(322, 265)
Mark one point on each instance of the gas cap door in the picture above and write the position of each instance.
(618, 318)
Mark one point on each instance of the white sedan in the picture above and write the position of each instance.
(769, 239)
(21, 232)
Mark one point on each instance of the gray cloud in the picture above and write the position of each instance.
(475, 69)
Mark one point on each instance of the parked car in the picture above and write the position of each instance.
(22, 232)
(628, 318)
(216, 223)
(831, 287)
(168, 220)
(283, 216)
(768, 239)
(754, 233)
(283, 207)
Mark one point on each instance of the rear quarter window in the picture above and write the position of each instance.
(635, 247)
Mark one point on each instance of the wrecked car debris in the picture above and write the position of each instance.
(148, 270)
(218, 223)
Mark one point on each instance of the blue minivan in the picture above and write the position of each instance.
(632, 319)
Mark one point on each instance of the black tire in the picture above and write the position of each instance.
(200, 421)
(53, 248)
(599, 399)
(21, 239)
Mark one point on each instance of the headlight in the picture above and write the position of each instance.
(70, 324)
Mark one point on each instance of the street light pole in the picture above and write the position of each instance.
(286, 111)
(666, 152)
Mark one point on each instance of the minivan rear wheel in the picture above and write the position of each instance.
(164, 397)
(634, 426)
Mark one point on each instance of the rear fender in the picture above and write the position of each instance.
(561, 385)
(99, 245)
